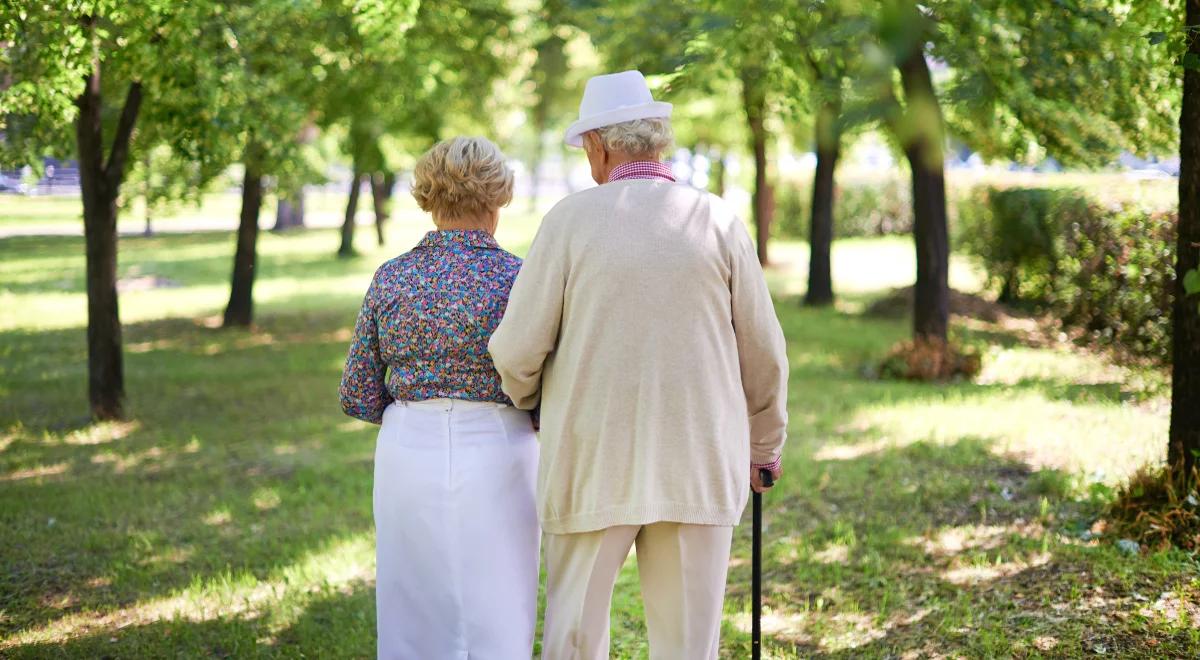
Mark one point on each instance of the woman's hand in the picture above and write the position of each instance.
(756, 483)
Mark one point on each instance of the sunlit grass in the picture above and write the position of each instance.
(862, 267)
(231, 514)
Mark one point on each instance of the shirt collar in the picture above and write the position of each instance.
(641, 169)
(459, 238)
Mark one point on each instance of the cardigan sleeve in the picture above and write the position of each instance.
(762, 352)
(363, 391)
(529, 331)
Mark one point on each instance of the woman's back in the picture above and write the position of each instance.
(430, 313)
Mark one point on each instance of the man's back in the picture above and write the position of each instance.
(632, 292)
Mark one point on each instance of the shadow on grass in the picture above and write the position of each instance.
(236, 459)
(183, 260)
(333, 623)
(930, 549)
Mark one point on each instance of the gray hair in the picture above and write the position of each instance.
(638, 137)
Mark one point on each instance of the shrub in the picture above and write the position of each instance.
(1106, 271)
(1014, 232)
(1115, 280)
(1159, 507)
(874, 206)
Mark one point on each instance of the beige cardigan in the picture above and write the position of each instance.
(642, 323)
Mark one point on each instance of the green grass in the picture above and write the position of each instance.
(231, 514)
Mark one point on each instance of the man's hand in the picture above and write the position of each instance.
(756, 483)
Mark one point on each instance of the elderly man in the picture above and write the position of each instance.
(641, 323)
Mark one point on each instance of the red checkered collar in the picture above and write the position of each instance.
(641, 169)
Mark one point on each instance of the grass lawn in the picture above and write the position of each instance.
(231, 514)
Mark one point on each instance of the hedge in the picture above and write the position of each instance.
(1107, 271)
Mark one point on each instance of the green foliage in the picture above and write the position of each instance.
(1073, 79)
(1014, 232)
(394, 98)
(49, 51)
(216, 78)
(162, 179)
(1191, 282)
(563, 60)
(1106, 271)
(862, 206)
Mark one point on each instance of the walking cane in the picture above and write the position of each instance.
(756, 569)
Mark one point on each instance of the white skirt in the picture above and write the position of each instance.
(456, 531)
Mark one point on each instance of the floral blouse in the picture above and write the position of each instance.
(425, 323)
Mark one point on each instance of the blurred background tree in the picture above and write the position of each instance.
(100, 70)
(394, 96)
(274, 76)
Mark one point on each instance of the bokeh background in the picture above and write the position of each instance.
(979, 220)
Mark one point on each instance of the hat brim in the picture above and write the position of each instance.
(653, 110)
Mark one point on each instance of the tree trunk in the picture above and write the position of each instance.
(240, 310)
(1009, 288)
(923, 149)
(100, 183)
(347, 247)
(382, 185)
(763, 204)
(290, 212)
(1184, 443)
(820, 275)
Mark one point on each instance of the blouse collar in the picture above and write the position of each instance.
(459, 238)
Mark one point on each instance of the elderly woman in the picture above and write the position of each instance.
(642, 323)
(455, 520)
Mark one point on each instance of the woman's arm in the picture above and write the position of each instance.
(363, 390)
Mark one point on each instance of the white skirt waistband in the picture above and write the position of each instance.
(453, 404)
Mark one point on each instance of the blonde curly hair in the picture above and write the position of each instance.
(462, 177)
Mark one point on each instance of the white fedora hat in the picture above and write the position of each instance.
(612, 99)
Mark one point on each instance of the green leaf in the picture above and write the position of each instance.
(1191, 61)
(1156, 38)
(1191, 282)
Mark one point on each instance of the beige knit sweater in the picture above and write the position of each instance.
(642, 323)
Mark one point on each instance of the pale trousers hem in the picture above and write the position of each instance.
(682, 568)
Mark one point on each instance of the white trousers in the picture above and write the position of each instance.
(456, 531)
(682, 570)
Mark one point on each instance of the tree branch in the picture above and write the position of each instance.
(812, 64)
(115, 166)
